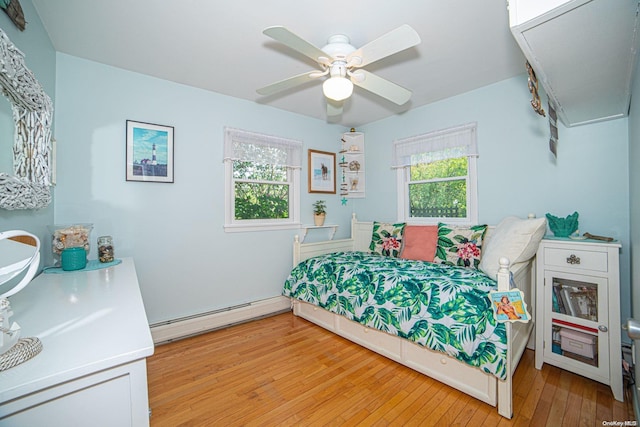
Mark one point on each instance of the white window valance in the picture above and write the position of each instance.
(262, 149)
(437, 145)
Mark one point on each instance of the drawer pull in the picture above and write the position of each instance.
(443, 361)
(573, 259)
(603, 328)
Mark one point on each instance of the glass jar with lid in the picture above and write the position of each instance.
(105, 249)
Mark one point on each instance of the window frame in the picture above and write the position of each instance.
(435, 140)
(293, 181)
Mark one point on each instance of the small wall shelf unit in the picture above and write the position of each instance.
(330, 227)
(352, 164)
(577, 309)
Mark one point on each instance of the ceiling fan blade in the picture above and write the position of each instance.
(394, 41)
(289, 83)
(334, 108)
(295, 42)
(382, 87)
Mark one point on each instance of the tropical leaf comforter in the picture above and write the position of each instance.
(444, 308)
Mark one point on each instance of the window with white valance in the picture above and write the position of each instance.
(436, 176)
(262, 181)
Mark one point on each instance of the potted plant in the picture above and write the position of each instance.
(319, 212)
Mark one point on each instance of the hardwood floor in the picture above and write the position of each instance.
(284, 370)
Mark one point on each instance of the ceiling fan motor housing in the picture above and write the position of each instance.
(338, 47)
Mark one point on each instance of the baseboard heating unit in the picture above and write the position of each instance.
(184, 327)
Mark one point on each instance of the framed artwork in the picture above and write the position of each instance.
(509, 306)
(149, 152)
(322, 172)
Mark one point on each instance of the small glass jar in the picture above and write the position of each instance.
(105, 249)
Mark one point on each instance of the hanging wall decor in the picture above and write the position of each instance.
(352, 165)
(29, 187)
(14, 10)
(553, 130)
(149, 152)
(533, 88)
(322, 172)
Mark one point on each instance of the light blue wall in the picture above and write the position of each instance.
(40, 59)
(517, 174)
(186, 263)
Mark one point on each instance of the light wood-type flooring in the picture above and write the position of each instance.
(284, 370)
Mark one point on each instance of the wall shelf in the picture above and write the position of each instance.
(332, 228)
(352, 163)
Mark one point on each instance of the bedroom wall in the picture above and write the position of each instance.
(40, 59)
(516, 172)
(185, 261)
(187, 264)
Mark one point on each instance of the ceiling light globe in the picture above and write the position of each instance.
(337, 88)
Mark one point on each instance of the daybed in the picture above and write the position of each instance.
(492, 382)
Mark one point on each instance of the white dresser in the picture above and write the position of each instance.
(95, 337)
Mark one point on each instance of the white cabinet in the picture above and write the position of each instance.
(583, 53)
(352, 163)
(92, 368)
(577, 309)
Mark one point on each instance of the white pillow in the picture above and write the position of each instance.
(514, 238)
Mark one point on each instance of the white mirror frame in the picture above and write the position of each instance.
(30, 265)
(30, 187)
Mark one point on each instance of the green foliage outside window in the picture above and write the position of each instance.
(261, 191)
(439, 188)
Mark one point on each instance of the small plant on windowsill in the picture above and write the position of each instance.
(319, 212)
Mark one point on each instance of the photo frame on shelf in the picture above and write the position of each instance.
(322, 172)
(149, 152)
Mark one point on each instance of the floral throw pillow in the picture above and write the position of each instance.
(459, 246)
(386, 238)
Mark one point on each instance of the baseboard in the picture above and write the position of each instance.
(193, 325)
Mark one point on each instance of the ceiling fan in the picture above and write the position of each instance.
(342, 63)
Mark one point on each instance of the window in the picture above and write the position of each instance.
(262, 181)
(436, 176)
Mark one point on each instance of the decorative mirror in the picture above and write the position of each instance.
(20, 255)
(29, 187)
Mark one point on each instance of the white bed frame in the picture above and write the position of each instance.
(439, 366)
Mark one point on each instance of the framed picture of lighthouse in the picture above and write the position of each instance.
(149, 152)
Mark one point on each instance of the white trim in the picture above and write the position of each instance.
(192, 325)
(231, 225)
(402, 181)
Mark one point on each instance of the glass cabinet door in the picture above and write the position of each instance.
(576, 330)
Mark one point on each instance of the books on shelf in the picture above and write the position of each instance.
(575, 301)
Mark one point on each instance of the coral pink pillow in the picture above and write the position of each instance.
(420, 242)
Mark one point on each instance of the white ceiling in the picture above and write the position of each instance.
(219, 46)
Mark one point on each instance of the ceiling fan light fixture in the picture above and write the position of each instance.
(337, 88)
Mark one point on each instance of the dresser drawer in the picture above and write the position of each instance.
(577, 259)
